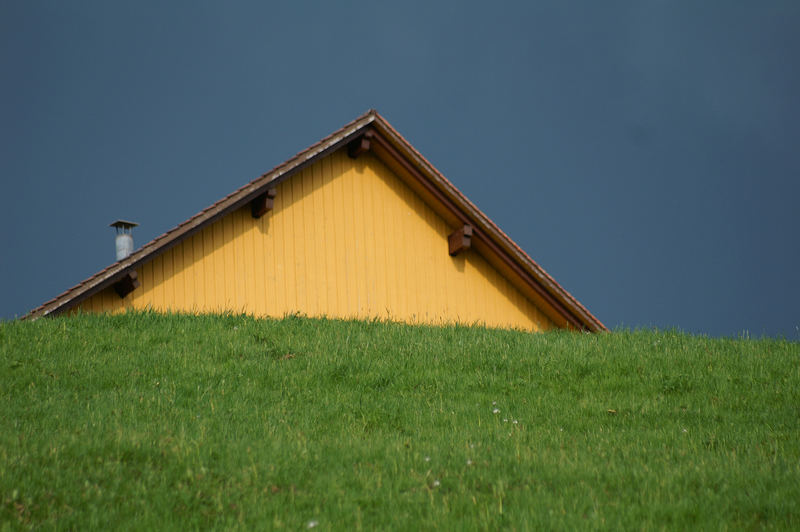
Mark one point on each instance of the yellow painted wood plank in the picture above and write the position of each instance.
(184, 249)
(328, 236)
(309, 245)
(131, 300)
(101, 302)
(169, 279)
(320, 237)
(289, 259)
(199, 281)
(145, 298)
(379, 244)
(189, 272)
(254, 260)
(219, 266)
(412, 243)
(391, 244)
(277, 249)
(440, 302)
(265, 240)
(239, 277)
(496, 283)
(361, 249)
(411, 240)
(437, 303)
(228, 301)
(211, 259)
(343, 190)
(355, 229)
(318, 240)
(370, 253)
(413, 277)
(396, 268)
(297, 238)
(311, 281)
(281, 258)
(359, 254)
(105, 301)
(158, 283)
(472, 289)
(339, 308)
(245, 267)
(351, 238)
(179, 288)
(421, 264)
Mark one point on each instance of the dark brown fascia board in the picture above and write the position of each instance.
(232, 202)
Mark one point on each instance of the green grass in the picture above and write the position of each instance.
(143, 421)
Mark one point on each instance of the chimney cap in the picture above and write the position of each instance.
(122, 224)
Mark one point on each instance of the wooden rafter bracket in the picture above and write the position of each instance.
(360, 145)
(263, 203)
(460, 239)
(127, 284)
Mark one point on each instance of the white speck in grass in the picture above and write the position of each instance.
(505, 420)
(471, 445)
(312, 524)
(561, 429)
(515, 422)
(427, 458)
(436, 483)
(496, 411)
(469, 462)
(684, 430)
(494, 403)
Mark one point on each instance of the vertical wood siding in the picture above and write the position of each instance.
(346, 238)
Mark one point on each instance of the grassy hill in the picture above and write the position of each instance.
(144, 421)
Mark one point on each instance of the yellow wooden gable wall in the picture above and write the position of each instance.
(346, 238)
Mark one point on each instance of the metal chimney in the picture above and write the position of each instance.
(124, 239)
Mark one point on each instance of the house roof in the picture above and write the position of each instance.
(375, 134)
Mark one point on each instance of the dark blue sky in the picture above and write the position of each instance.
(645, 153)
